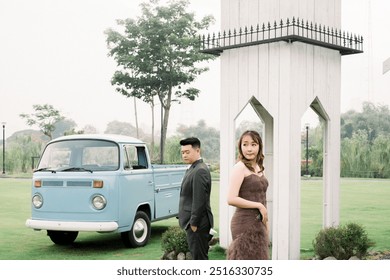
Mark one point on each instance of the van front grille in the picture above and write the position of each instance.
(79, 184)
(53, 183)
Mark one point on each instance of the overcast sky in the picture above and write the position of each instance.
(54, 51)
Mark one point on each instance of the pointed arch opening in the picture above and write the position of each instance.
(314, 124)
(254, 116)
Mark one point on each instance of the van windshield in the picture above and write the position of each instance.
(80, 155)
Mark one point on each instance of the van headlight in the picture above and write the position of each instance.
(37, 201)
(99, 202)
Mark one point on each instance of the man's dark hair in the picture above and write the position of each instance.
(193, 141)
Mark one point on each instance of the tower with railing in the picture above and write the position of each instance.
(281, 58)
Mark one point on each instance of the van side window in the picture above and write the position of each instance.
(134, 158)
(142, 159)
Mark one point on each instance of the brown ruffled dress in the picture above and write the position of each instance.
(250, 238)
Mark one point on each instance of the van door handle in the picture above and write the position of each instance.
(150, 182)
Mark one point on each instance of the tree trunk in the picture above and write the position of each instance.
(167, 109)
(161, 134)
(136, 116)
(151, 152)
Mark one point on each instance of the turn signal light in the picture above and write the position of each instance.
(38, 183)
(98, 184)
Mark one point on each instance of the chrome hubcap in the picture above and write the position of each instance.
(140, 230)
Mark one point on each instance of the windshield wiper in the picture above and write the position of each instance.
(77, 169)
(45, 169)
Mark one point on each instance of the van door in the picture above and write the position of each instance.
(136, 186)
(167, 182)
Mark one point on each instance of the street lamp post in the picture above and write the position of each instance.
(307, 149)
(3, 123)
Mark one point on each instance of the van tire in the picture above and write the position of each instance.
(139, 234)
(62, 237)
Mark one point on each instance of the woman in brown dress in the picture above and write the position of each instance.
(247, 192)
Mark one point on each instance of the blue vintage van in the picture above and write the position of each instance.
(102, 183)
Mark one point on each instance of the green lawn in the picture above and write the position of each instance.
(362, 201)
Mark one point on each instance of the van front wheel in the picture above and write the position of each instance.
(62, 237)
(139, 234)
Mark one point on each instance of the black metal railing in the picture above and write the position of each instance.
(289, 31)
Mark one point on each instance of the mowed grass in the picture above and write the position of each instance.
(362, 201)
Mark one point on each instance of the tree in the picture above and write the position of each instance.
(65, 127)
(21, 150)
(89, 129)
(381, 157)
(173, 150)
(364, 142)
(122, 128)
(45, 117)
(375, 120)
(158, 57)
(356, 155)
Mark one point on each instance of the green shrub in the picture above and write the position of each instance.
(342, 242)
(174, 239)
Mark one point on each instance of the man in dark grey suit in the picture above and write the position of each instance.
(195, 215)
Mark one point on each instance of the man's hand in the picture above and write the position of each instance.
(194, 228)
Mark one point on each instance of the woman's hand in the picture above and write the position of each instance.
(264, 213)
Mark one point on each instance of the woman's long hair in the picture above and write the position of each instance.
(260, 156)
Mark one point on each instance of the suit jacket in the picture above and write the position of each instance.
(194, 205)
